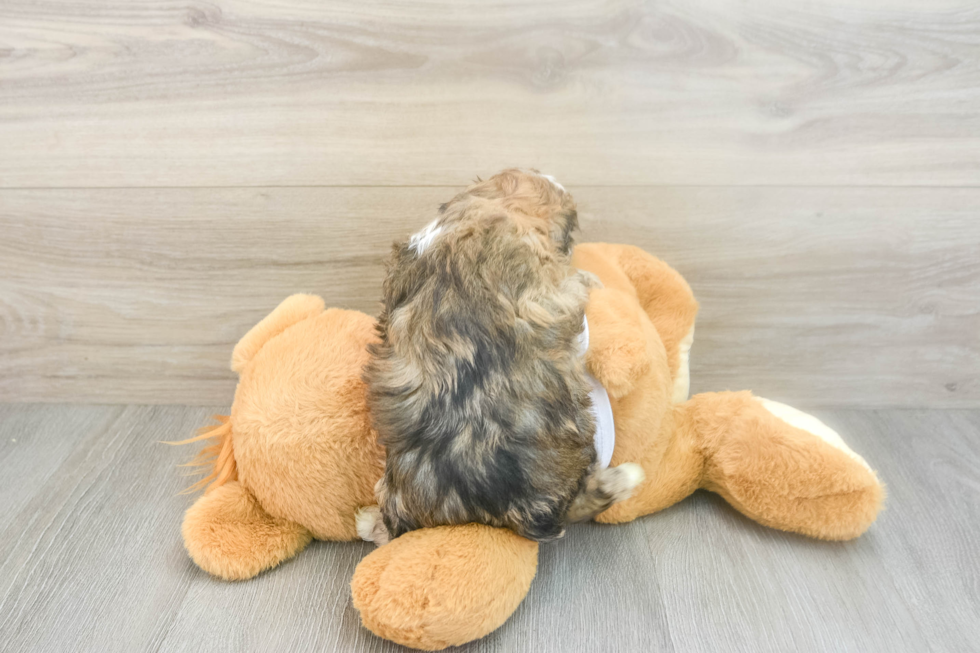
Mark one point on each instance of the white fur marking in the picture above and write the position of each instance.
(370, 525)
(553, 181)
(421, 240)
(682, 382)
(810, 424)
(634, 473)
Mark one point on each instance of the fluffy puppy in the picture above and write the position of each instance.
(478, 389)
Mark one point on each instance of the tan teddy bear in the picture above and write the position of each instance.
(297, 457)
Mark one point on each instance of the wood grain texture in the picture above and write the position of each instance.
(311, 92)
(91, 557)
(851, 296)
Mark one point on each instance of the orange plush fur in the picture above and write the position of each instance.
(297, 457)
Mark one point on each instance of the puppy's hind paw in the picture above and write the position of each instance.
(620, 481)
(604, 488)
(371, 525)
(588, 279)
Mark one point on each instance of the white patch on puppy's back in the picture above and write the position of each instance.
(423, 239)
(553, 181)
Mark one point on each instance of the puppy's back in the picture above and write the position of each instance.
(476, 388)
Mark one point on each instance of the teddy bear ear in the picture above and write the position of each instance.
(292, 310)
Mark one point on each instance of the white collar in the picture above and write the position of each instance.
(605, 426)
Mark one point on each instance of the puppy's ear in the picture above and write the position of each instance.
(503, 184)
(561, 231)
(396, 286)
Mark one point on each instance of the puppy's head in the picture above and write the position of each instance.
(539, 204)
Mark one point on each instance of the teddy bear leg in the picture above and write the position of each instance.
(783, 468)
(228, 534)
(445, 586)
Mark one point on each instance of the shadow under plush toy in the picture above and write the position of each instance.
(297, 457)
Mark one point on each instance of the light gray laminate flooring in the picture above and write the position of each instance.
(91, 557)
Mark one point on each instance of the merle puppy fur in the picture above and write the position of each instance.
(477, 388)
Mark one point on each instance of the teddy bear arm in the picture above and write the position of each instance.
(667, 300)
(619, 345)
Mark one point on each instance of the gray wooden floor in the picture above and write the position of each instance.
(91, 557)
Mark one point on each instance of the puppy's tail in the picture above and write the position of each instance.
(604, 488)
(218, 456)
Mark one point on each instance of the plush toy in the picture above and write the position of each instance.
(297, 457)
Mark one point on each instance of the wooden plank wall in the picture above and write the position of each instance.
(170, 171)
